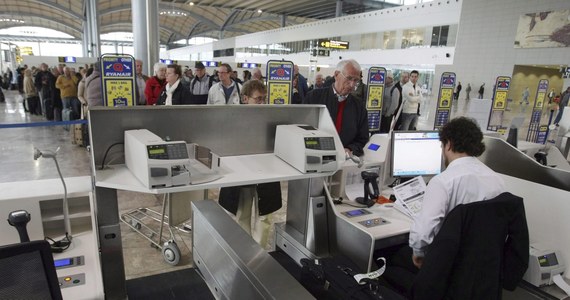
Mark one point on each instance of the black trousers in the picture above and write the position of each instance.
(400, 269)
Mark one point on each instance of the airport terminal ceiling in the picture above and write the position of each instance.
(181, 19)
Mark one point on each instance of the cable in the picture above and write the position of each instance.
(107, 152)
(339, 200)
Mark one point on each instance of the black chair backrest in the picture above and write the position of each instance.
(27, 271)
(481, 248)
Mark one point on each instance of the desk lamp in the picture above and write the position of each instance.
(59, 246)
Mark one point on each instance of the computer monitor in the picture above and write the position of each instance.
(416, 153)
(27, 271)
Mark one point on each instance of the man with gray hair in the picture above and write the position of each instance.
(348, 114)
(256, 74)
(389, 103)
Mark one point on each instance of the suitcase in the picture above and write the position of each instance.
(333, 278)
(80, 135)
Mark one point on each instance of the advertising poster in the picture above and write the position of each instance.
(534, 125)
(279, 81)
(280, 93)
(445, 99)
(374, 97)
(118, 76)
(502, 85)
(375, 93)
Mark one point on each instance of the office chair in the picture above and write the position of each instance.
(27, 271)
(482, 247)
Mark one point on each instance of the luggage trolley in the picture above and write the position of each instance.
(136, 220)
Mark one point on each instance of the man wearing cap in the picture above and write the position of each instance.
(200, 85)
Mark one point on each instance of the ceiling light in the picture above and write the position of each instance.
(173, 13)
(11, 20)
(191, 3)
(259, 11)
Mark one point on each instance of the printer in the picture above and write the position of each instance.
(543, 265)
(155, 162)
(307, 149)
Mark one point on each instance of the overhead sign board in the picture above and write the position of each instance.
(320, 52)
(333, 44)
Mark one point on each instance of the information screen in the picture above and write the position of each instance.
(416, 153)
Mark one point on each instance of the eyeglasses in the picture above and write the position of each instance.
(350, 78)
(222, 72)
(260, 99)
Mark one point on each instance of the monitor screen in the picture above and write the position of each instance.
(416, 153)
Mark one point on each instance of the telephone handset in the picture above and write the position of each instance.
(371, 190)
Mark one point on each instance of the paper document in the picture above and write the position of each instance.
(410, 195)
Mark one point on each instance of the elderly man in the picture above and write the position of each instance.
(140, 82)
(319, 82)
(348, 114)
(256, 74)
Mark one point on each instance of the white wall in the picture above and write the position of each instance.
(485, 43)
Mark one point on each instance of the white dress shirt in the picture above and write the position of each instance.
(464, 181)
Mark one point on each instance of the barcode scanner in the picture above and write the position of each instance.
(371, 190)
(20, 219)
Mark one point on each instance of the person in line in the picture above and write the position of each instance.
(140, 81)
(465, 180)
(67, 85)
(81, 91)
(253, 203)
(404, 78)
(302, 85)
(31, 93)
(42, 82)
(174, 92)
(155, 84)
(93, 87)
(411, 100)
(256, 74)
(389, 104)
(296, 97)
(347, 113)
(319, 82)
(226, 91)
(200, 85)
(360, 90)
(467, 92)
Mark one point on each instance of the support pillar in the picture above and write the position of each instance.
(145, 33)
(338, 12)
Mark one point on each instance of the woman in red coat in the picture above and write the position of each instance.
(155, 84)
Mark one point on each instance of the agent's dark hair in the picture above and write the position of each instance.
(464, 135)
(177, 69)
(415, 72)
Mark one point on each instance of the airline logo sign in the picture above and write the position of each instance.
(333, 44)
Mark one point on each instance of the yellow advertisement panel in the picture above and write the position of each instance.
(279, 92)
(375, 93)
(119, 92)
(445, 98)
(500, 100)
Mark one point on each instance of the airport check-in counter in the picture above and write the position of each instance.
(244, 138)
(79, 271)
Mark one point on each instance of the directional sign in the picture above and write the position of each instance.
(333, 44)
(321, 52)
